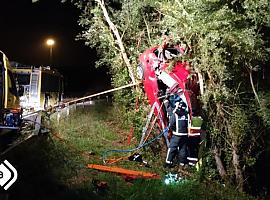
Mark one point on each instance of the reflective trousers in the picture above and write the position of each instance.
(193, 149)
(177, 147)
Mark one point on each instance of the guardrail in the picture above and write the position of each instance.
(67, 105)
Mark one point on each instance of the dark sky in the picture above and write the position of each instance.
(25, 26)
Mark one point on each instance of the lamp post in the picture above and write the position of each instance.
(50, 42)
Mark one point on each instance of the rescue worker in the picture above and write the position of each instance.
(194, 138)
(178, 124)
(194, 129)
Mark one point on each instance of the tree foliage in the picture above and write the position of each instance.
(229, 48)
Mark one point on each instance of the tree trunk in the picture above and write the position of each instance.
(220, 166)
(118, 39)
(237, 168)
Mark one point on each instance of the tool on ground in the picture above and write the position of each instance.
(123, 171)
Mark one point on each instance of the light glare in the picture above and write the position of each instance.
(50, 42)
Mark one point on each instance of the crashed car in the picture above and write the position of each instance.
(163, 72)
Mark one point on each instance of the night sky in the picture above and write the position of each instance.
(25, 26)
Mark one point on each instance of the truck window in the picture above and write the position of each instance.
(12, 83)
(23, 79)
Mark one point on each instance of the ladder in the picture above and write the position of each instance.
(34, 87)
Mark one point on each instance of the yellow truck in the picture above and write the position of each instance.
(10, 110)
(42, 87)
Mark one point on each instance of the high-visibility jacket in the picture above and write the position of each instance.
(195, 127)
(179, 119)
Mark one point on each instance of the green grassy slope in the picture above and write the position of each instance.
(87, 132)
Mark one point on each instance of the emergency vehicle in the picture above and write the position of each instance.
(42, 87)
(10, 110)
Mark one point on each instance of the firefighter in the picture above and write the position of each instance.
(178, 124)
(194, 139)
(195, 122)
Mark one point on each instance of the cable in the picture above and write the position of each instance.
(143, 140)
(134, 149)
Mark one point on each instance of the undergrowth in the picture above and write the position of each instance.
(54, 166)
(88, 132)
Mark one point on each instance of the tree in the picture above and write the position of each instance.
(229, 46)
(107, 28)
(134, 33)
(118, 38)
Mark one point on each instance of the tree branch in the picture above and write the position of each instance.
(118, 39)
(253, 87)
(148, 31)
(220, 167)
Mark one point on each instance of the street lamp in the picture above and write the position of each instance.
(50, 42)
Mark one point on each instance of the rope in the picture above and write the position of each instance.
(100, 93)
(134, 149)
(142, 143)
(153, 123)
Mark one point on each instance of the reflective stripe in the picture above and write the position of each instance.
(168, 152)
(194, 131)
(196, 128)
(176, 118)
(194, 134)
(193, 159)
(175, 133)
(176, 107)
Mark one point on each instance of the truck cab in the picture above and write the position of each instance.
(10, 110)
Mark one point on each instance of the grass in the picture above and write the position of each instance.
(53, 166)
(90, 131)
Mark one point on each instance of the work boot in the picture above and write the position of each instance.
(192, 164)
(168, 165)
(182, 166)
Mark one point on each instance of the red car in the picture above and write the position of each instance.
(162, 71)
